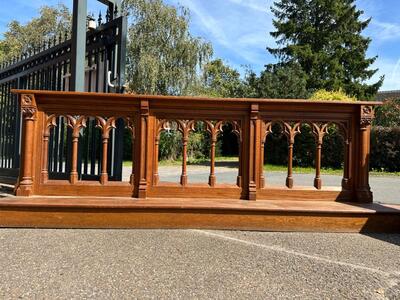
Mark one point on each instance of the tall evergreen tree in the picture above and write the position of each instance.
(325, 38)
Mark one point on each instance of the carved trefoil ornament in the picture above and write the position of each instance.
(367, 115)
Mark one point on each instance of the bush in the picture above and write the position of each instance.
(276, 149)
(385, 149)
(331, 95)
(388, 114)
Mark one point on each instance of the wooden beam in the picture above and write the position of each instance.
(78, 212)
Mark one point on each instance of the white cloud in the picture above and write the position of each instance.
(208, 22)
(238, 29)
(384, 31)
(258, 5)
(391, 69)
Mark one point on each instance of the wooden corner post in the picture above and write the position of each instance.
(142, 145)
(363, 190)
(29, 111)
(252, 155)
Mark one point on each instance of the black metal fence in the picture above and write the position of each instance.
(47, 67)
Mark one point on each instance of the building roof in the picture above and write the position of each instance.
(387, 95)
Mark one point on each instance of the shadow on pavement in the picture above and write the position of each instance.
(6, 191)
(392, 238)
(386, 219)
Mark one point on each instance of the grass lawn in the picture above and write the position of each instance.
(267, 167)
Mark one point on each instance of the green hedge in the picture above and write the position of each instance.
(304, 149)
(385, 149)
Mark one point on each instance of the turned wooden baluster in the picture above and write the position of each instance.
(237, 130)
(76, 124)
(161, 125)
(130, 124)
(106, 127)
(185, 127)
(142, 146)
(51, 122)
(343, 129)
(28, 110)
(214, 130)
(319, 131)
(290, 132)
(266, 130)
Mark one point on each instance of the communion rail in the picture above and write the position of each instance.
(251, 120)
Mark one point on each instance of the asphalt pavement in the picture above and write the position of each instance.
(203, 264)
(196, 264)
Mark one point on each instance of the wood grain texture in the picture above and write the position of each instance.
(317, 216)
(147, 116)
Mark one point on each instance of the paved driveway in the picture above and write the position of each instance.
(201, 264)
(196, 264)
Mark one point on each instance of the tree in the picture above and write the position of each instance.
(285, 81)
(325, 39)
(19, 38)
(218, 80)
(163, 57)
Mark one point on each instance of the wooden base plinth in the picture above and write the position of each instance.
(315, 216)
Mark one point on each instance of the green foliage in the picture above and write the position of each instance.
(338, 95)
(388, 114)
(287, 81)
(170, 145)
(385, 149)
(325, 38)
(163, 57)
(220, 80)
(52, 21)
(276, 149)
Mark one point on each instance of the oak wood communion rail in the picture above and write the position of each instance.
(252, 120)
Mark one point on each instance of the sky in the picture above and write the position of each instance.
(239, 30)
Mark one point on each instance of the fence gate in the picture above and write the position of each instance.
(48, 67)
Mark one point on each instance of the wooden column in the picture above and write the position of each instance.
(104, 173)
(184, 160)
(142, 133)
(75, 125)
(262, 150)
(319, 131)
(214, 130)
(185, 127)
(106, 127)
(253, 140)
(363, 189)
(290, 132)
(51, 122)
(156, 176)
(212, 178)
(266, 129)
(29, 111)
(345, 130)
(237, 130)
(160, 125)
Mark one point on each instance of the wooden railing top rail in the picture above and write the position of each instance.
(85, 95)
